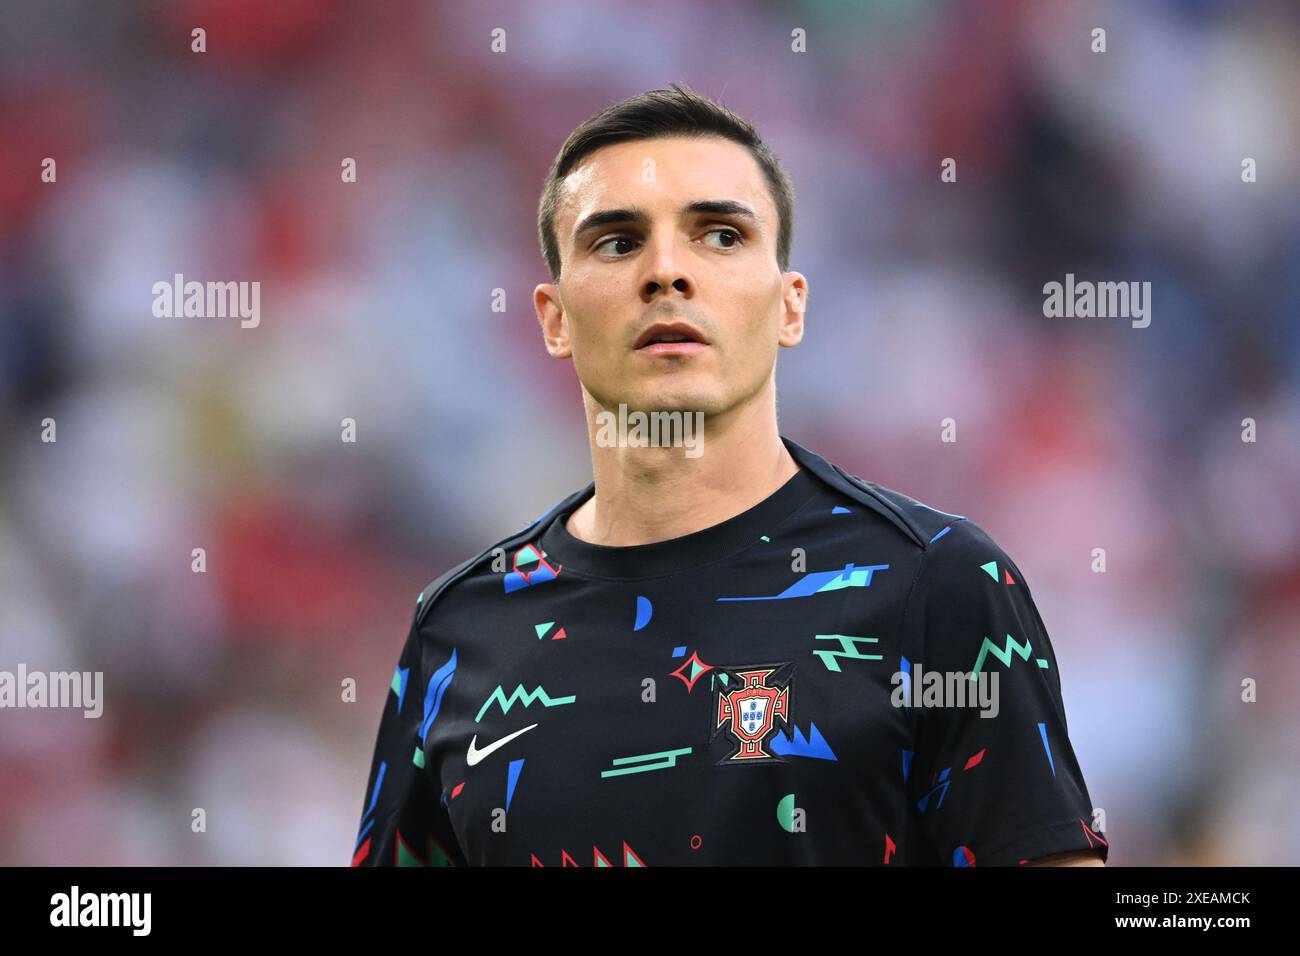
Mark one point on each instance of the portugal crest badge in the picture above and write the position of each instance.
(748, 704)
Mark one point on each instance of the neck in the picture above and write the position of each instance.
(644, 495)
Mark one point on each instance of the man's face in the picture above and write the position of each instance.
(659, 260)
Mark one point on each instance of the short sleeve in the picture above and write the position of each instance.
(994, 782)
(403, 822)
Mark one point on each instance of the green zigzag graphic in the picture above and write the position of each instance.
(524, 697)
(1001, 653)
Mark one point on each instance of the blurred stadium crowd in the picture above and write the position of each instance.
(222, 689)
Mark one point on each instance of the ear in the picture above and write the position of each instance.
(550, 314)
(794, 298)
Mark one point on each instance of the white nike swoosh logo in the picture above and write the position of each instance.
(475, 755)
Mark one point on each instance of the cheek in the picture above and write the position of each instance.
(758, 342)
(597, 344)
(762, 311)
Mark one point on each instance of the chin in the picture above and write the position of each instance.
(667, 394)
(677, 400)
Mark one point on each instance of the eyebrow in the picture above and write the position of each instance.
(717, 207)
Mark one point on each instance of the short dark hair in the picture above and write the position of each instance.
(675, 112)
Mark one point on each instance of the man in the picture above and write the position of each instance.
(707, 655)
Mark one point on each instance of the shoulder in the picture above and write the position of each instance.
(954, 562)
(944, 541)
(941, 543)
(963, 566)
(961, 586)
(965, 551)
(519, 548)
(969, 599)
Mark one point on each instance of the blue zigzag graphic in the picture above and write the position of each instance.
(814, 746)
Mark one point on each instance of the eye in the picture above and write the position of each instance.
(736, 237)
(604, 242)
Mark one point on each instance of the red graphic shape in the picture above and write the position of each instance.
(363, 851)
(628, 851)
(1091, 835)
(690, 681)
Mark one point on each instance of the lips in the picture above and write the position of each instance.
(665, 334)
(671, 348)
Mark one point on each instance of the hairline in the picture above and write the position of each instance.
(753, 150)
(695, 206)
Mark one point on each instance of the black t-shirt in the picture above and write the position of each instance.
(730, 697)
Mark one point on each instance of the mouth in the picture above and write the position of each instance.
(671, 338)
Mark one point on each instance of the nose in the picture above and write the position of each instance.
(664, 272)
(652, 286)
